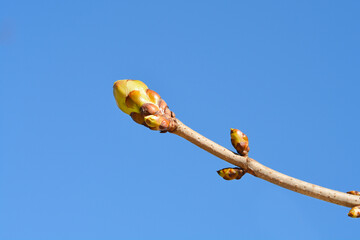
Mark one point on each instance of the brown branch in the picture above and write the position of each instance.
(146, 107)
(258, 170)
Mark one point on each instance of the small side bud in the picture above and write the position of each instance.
(231, 173)
(156, 122)
(149, 109)
(354, 212)
(354, 193)
(239, 141)
(153, 121)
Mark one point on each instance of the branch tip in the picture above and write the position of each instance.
(145, 106)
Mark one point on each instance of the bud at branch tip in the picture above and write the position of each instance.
(145, 106)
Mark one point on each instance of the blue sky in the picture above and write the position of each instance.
(73, 166)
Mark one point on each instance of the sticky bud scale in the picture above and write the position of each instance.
(354, 193)
(354, 212)
(239, 141)
(231, 173)
(145, 106)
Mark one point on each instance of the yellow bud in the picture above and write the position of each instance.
(156, 122)
(354, 212)
(145, 106)
(137, 91)
(153, 121)
(354, 193)
(239, 141)
(154, 96)
(231, 173)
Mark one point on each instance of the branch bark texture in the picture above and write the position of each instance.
(258, 170)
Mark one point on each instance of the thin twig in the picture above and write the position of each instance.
(258, 170)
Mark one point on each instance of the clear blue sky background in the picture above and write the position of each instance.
(73, 166)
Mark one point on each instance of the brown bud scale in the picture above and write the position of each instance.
(164, 124)
(137, 117)
(167, 111)
(162, 105)
(154, 96)
(354, 193)
(129, 102)
(240, 142)
(354, 212)
(149, 109)
(231, 173)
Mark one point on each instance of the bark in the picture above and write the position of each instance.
(258, 170)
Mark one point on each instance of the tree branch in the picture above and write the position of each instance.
(146, 107)
(258, 170)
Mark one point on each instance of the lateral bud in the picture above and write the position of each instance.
(156, 122)
(354, 212)
(239, 141)
(231, 173)
(354, 193)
